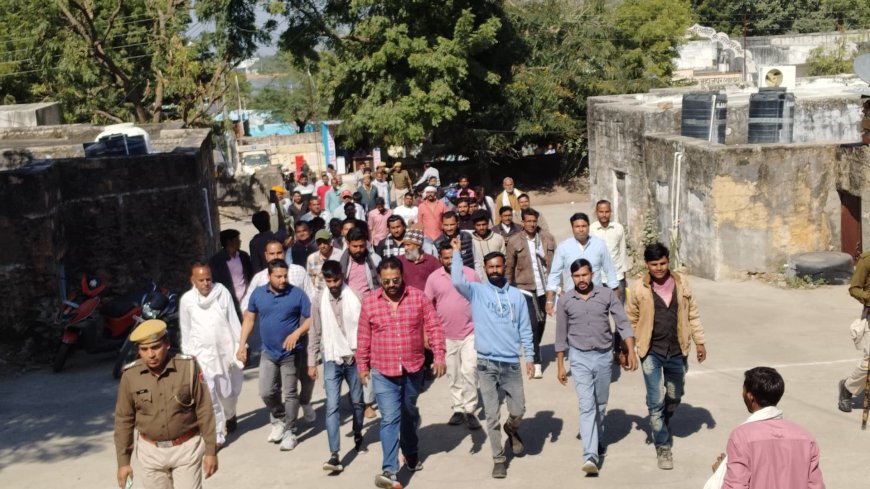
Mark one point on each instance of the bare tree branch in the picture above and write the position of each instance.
(108, 116)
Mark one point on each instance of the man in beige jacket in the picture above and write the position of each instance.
(664, 317)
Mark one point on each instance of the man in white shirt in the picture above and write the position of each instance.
(429, 171)
(407, 211)
(613, 235)
(382, 184)
(315, 209)
(325, 252)
(210, 331)
(304, 187)
(509, 196)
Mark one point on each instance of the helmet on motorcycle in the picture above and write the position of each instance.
(154, 305)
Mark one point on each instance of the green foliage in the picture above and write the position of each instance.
(479, 77)
(125, 60)
(292, 96)
(832, 60)
(772, 17)
(804, 282)
(401, 71)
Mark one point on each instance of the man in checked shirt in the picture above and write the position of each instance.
(390, 355)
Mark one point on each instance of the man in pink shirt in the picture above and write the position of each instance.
(768, 452)
(429, 213)
(455, 313)
(377, 220)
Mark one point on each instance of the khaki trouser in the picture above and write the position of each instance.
(178, 467)
(400, 196)
(461, 360)
(857, 380)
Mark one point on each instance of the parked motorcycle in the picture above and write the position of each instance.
(92, 325)
(156, 304)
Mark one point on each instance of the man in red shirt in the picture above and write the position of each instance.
(390, 355)
(429, 213)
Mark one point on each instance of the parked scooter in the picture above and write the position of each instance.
(156, 304)
(91, 325)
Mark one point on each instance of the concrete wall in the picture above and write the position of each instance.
(834, 118)
(617, 126)
(124, 219)
(742, 208)
(795, 49)
(284, 149)
(30, 115)
(698, 55)
(853, 176)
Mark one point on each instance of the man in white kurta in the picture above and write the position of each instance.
(210, 332)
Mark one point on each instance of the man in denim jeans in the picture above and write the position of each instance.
(285, 316)
(501, 328)
(334, 322)
(664, 317)
(389, 354)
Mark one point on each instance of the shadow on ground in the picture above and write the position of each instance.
(687, 421)
(48, 416)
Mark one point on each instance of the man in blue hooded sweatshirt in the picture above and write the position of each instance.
(501, 328)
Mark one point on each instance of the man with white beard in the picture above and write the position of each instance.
(210, 332)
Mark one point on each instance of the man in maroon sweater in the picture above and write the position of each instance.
(417, 265)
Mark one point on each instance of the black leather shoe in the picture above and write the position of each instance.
(845, 402)
(499, 470)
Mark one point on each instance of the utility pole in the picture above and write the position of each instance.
(745, 51)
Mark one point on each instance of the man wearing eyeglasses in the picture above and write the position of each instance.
(390, 355)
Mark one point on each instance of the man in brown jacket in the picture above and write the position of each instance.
(529, 255)
(664, 317)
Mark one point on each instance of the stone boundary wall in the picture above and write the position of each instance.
(125, 220)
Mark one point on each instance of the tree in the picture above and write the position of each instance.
(292, 96)
(128, 60)
(773, 17)
(403, 72)
(574, 50)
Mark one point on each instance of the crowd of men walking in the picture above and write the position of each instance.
(388, 287)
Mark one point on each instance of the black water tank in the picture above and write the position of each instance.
(704, 115)
(771, 116)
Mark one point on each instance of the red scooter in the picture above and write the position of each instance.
(90, 327)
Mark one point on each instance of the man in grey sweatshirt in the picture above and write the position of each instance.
(502, 332)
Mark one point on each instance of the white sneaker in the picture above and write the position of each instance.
(277, 432)
(288, 442)
(539, 373)
(308, 413)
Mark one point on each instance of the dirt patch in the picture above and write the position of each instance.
(576, 190)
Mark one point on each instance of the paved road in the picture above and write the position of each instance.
(56, 429)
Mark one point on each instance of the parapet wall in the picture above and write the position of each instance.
(124, 219)
(732, 208)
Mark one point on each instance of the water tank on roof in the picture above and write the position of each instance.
(119, 140)
(704, 115)
(771, 116)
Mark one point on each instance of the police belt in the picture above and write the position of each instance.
(171, 443)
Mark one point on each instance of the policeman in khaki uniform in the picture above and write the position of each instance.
(166, 400)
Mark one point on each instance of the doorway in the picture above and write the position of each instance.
(850, 224)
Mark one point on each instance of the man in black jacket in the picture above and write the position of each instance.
(232, 267)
